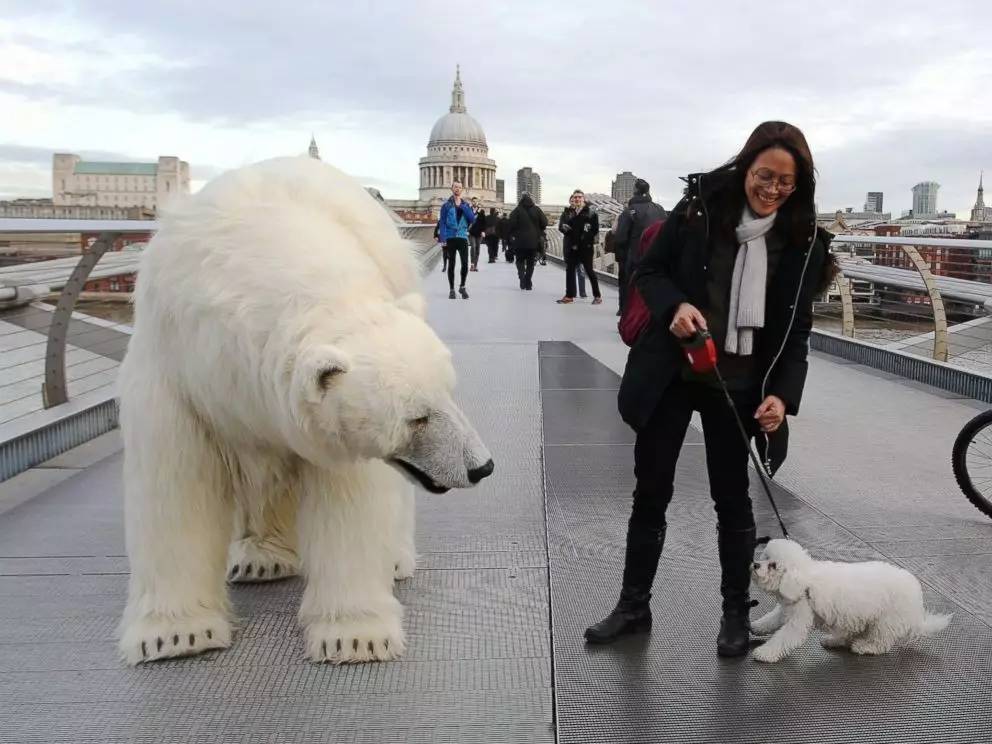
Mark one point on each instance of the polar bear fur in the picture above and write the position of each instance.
(282, 388)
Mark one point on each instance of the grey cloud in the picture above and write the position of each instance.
(661, 91)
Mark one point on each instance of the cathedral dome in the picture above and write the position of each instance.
(457, 128)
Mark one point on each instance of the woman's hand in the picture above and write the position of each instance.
(687, 321)
(770, 414)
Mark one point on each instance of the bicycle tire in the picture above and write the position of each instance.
(959, 462)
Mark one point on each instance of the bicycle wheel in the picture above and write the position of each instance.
(972, 461)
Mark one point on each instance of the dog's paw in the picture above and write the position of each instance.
(767, 653)
(355, 641)
(867, 648)
(834, 641)
(252, 560)
(404, 567)
(164, 637)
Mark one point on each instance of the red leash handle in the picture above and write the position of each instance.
(700, 350)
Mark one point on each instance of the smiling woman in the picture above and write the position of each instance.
(740, 257)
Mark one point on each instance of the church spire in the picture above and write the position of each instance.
(313, 148)
(980, 201)
(458, 93)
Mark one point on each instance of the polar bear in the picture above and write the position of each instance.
(283, 387)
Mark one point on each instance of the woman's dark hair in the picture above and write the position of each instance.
(726, 203)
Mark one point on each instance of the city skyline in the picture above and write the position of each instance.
(183, 80)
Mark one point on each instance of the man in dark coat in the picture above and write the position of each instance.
(525, 227)
(641, 213)
(492, 234)
(504, 236)
(580, 226)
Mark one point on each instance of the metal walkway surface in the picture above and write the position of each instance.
(511, 572)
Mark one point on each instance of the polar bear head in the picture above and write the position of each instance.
(383, 389)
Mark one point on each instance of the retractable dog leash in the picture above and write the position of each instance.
(700, 351)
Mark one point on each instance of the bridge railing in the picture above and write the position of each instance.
(924, 296)
(47, 353)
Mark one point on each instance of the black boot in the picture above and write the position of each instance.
(633, 612)
(736, 555)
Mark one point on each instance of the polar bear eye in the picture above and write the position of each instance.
(772, 565)
(419, 423)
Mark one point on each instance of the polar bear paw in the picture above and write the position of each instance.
(159, 636)
(355, 641)
(252, 560)
(404, 567)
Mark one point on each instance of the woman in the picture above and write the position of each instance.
(740, 256)
(580, 226)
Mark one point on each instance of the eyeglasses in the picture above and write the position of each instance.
(766, 179)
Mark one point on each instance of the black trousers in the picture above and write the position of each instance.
(657, 448)
(525, 268)
(492, 244)
(459, 246)
(572, 259)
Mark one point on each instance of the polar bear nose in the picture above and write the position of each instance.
(484, 471)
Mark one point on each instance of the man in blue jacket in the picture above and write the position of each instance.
(456, 217)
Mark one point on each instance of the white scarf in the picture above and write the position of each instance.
(748, 285)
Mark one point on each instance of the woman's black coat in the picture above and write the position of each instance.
(673, 271)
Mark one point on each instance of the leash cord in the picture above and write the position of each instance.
(747, 443)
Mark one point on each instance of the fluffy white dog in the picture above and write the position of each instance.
(867, 607)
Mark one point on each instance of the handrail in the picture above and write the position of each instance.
(53, 389)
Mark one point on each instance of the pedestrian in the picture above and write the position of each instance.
(504, 236)
(526, 226)
(456, 219)
(741, 257)
(641, 213)
(475, 235)
(580, 226)
(492, 234)
(444, 249)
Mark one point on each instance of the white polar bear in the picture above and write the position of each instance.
(280, 378)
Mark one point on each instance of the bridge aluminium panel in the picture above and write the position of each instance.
(671, 686)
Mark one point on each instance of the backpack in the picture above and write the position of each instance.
(635, 316)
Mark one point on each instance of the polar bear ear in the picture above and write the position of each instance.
(317, 369)
(412, 302)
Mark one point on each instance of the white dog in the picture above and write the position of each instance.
(867, 607)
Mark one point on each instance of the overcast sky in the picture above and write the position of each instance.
(888, 93)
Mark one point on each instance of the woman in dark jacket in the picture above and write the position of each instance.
(741, 257)
(580, 226)
(525, 227)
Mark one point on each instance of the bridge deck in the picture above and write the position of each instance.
(511, 572)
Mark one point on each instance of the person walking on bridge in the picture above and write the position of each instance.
(580, 226)
(456, 218)
(492, 234)
(640, 214)
(475, 235)
(741, 257)
(526, 225)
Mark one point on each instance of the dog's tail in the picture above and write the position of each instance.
(933, 624)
